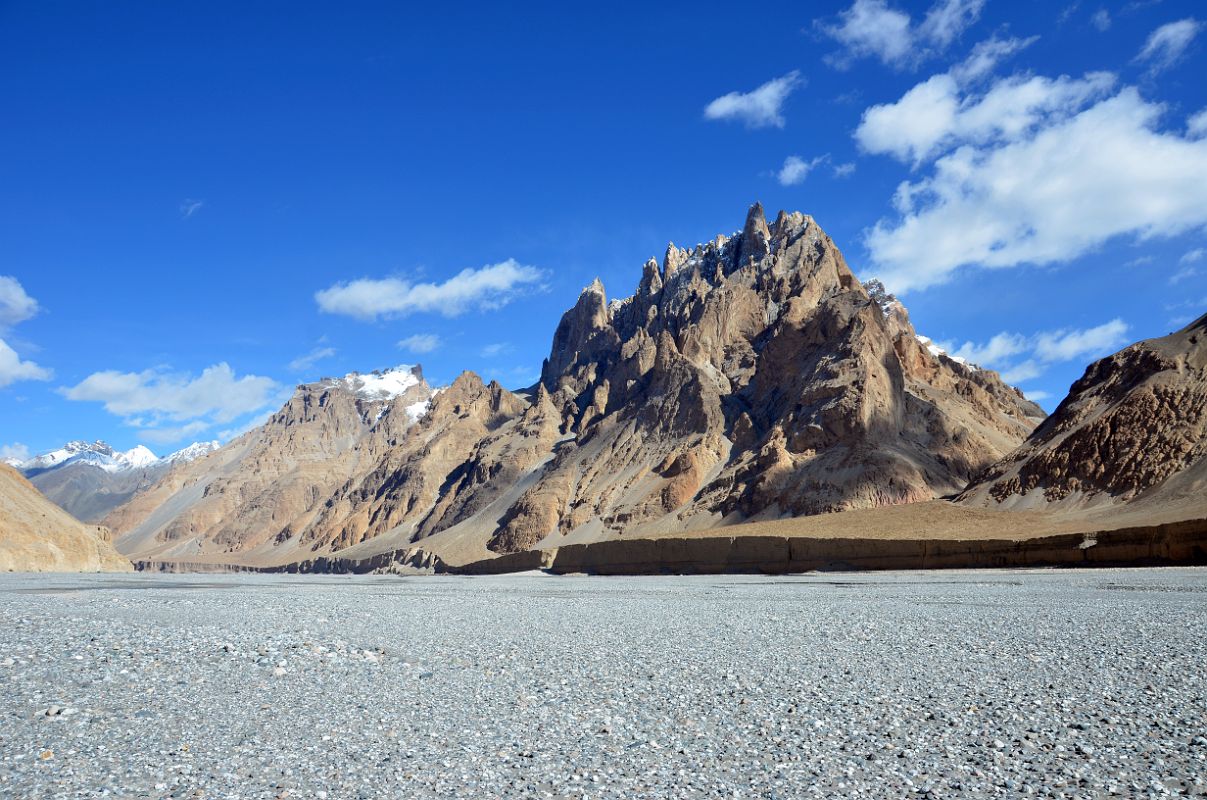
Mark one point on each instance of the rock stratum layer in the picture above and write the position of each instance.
(38, 536)
(750, 378)
(1133, 430)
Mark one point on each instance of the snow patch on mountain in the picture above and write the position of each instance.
(379, 384)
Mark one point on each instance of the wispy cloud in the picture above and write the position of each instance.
(496, 349)
(490, 287)
(1101, 20)
(304, 363)
(15, 452)
(189, 207)
(1167, 44)
(873, 28)
(420, 343)
(844, 170)
(760, 108)
(1186, 265)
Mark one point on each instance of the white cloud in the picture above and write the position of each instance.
(1000, 347)
(759, 108)
(1187, 270)
(872, 28)
(935, 116)
(844, 170)
(15, 451)
(1048, 186)
(496, 349)
(1101, 19)
(1035, 395)
(13, 369)
(189, 207)
(15, 305)
(148, 398)
(1022, 371)
(1040, 349)
(947, 19)
(796, 169)
(1196, 126)
(305, 362)
(489, 287)
(1070, 345)
(1167, 44)
(173, 434)
(986, 55)
(420, 343)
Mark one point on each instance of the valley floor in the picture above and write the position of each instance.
(952, 684)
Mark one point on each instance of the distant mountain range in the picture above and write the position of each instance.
(89, 479)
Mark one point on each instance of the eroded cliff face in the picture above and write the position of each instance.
(752, 377)
(1134, 427)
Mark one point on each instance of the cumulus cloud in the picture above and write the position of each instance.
(304, 363)
(489, 287)
(420, 343)
(1021, 358)
(1167, 44)
(1019, 179)
(759, 108)
(15, 305)
(170, 406)
(13, 369)
(936, 114)
(796, 169)
(872, 28)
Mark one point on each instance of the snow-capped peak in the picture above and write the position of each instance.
(380, 384)
(192, 452)
(136, 457)
(101, 455)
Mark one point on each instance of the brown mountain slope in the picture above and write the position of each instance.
(751, 378)
(38, 536)
(1133, 430)
(265, 489)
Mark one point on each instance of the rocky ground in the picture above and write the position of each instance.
(973, 684)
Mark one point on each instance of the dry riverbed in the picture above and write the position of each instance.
(950, 684)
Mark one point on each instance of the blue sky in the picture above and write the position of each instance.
(203, 205)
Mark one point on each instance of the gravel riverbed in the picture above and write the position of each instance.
(953, 684)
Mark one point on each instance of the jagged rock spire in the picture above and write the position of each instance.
(755, 234)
